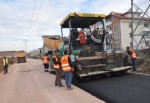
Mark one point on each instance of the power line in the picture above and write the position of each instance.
(24, 41)
(48, 9)
(30, 23)
(36, 17)
(39, 9)
(50, 15)
(33, 12)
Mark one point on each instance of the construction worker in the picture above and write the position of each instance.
(67, 68)
(73, 60)
(5, 65)
(74, 64)
(58, 69)
(46, 62)
(50, 60)
(132, 54)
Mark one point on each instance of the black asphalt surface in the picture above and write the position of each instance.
(127, 88)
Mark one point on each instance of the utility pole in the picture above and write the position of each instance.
(131, 34)
(133, 29)
(25, 42)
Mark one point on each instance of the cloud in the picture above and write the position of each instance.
(25, 19)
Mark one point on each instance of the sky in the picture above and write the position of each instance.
(28, 20)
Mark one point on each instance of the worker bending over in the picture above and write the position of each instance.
(132, 54)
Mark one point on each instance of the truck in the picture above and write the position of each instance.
(52, 43)
(21, 56)
(90, 47)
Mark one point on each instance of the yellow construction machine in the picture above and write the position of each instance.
(89, 46)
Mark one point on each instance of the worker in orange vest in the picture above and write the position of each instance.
(58, 69)
(67, 68)
(46, 62)
(132, 54)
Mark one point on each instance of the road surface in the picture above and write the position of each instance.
(129, 88)
(28, 83)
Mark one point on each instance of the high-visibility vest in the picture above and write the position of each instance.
(5, 62)
(45, 60)
(65, 64)
(133, 55)
(56, 66)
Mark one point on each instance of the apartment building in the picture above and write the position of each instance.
(119, 27)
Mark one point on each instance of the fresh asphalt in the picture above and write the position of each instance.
(126, 88)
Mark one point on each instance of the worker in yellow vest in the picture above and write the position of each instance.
(58, 69)
(132, 54)
(67, 68)
(5, 65)
(46, 62)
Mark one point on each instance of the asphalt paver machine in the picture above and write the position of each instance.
(89, 47)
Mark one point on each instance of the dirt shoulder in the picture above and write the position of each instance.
(143, 62)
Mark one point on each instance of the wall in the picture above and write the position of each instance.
(119, 43)
(125, 34)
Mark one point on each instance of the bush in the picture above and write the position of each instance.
(145, 66)
(139, 61)
(144, 61)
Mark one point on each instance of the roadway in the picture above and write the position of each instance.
(28, 83)
(127, 88)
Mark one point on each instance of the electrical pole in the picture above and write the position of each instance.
(25, 42)
(25, 45)
(131, 34)
(133, 29)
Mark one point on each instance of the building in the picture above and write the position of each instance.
(9, 54)
(119, 27)
(36, 53)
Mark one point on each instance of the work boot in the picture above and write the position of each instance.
(69, 88)
(56, 84)
(61, 85)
